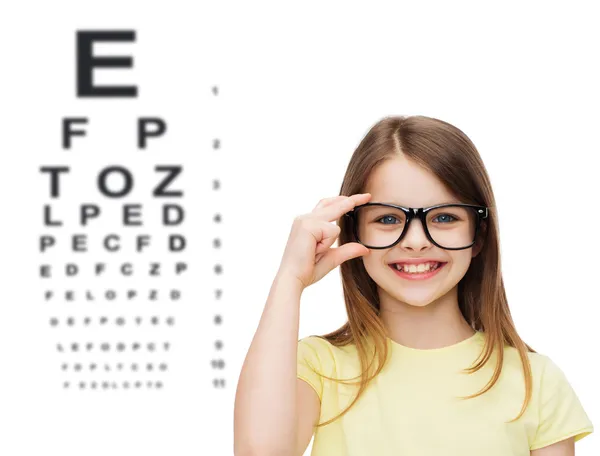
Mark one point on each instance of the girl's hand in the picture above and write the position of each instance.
(308, 256)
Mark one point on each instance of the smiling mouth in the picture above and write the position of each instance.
(406, 268)
(418, 276)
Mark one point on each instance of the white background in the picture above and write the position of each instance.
(299, 87)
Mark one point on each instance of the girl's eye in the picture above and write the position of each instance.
(446, 215)
(386, 217)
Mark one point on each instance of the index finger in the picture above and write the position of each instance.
(327, 201)
(336, 209)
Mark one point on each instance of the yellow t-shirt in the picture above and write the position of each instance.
(411, 407)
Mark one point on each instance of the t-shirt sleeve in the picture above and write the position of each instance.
(561, 414)
(311, 362)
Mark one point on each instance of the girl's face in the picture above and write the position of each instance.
(405, 183)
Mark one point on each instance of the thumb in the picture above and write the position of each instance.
(336, 256)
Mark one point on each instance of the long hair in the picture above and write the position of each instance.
(451, 156)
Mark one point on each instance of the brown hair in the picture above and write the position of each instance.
(451, 156)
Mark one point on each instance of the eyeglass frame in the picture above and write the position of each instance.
(420, 213)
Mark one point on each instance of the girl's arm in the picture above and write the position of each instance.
(565, 447)
(274, 410)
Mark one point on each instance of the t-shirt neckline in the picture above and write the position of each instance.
(476, 337)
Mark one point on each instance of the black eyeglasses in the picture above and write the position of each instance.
(457, 231)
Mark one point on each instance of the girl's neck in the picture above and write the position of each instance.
(434, 325)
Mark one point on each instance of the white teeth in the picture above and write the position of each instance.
(412, 268)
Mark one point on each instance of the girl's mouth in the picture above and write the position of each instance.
(417, 275)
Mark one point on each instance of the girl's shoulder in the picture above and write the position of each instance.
(321, 344)
(317, 357)
(321, 347)
(541, 364)
(321, 353)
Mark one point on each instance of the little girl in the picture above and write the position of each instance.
(429, 362)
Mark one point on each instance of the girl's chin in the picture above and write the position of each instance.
(417, 301)
(415, 298)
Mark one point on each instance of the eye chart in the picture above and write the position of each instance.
(122, 323)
